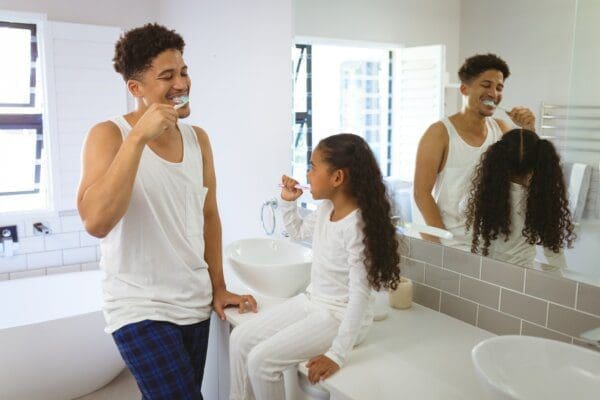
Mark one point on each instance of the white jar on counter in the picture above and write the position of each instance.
(401, 298)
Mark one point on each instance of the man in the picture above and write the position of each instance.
(450, 149)
(148, 190)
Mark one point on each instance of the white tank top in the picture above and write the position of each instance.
(154, 257)
(453, 183)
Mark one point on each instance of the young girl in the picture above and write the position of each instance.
(518, 200)
(355, 250)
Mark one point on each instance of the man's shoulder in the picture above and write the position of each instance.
(105, 130)
(436, 131)
(200, 134)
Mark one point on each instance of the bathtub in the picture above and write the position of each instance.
(52, 340)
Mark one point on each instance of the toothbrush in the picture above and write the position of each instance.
(301, 187)
(182, 101)
(490, 103)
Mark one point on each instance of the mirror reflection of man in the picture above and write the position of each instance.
(451, 148)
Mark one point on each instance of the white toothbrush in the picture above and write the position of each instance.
(301, 187)
(181, 101)
(490, 103)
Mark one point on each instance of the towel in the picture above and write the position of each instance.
(592, 206)
(579, 184)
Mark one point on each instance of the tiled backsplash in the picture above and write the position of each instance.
(496, 296)
(500, 297)
(68, 248)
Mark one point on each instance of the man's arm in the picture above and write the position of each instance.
(522, 117)
(213, 245)
(431, 155)
(504, 126)
(109, 166)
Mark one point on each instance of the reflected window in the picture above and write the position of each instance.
(386, 95)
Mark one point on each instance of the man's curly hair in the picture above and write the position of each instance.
(479, 63)
(548, 222)
(382, 258)
(136, 48)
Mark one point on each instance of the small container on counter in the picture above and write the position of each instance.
(401, 298)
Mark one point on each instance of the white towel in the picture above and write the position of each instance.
(579, 184)
(592, 206)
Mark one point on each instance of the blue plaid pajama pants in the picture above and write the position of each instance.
(167, 360)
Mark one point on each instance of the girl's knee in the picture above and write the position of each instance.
(239, 342)
(255, 360)
(258, 361)
(264, 364)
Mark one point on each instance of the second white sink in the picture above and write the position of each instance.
(525, 367)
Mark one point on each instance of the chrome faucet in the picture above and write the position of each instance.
(41, 229)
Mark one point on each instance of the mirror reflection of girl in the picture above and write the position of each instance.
(355, 250)
(518, 199)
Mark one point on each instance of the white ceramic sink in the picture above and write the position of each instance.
(525, 367)
(270, 267)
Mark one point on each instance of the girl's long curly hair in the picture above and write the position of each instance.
(352, 153)
(520, 153)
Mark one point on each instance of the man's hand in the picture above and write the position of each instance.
(223, 298)
(523, 117)
(320, 368)
(157, 119)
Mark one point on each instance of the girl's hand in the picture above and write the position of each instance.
(320, 368)
(289, 192)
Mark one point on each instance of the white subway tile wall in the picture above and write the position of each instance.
(45, 259)
(67, 246)
(502, 299)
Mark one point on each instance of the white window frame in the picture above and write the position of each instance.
(309, 40)
(48, 123)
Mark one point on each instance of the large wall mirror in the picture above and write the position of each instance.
(389, 70)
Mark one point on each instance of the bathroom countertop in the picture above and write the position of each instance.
(413, 354)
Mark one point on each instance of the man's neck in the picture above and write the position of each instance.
(472, 122)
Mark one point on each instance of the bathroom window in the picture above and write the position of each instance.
(388, 95)
(21, 127)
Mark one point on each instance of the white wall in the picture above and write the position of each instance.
(535, 38)
(406, 22)
(122, 13)
(239, 57)
(585, 85)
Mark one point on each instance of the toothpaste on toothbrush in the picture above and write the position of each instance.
(490, 103)
(181, 101)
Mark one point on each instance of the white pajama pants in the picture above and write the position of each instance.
(262, 348)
